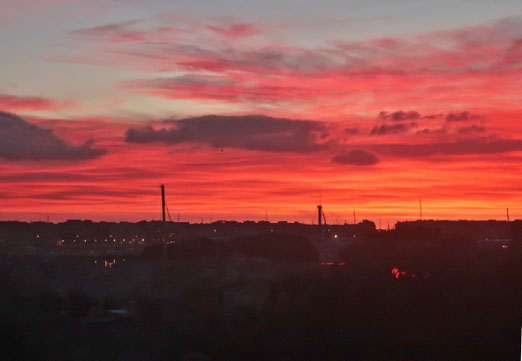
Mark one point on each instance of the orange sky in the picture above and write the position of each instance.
(370, 124)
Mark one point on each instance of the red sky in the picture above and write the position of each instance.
(369, 123)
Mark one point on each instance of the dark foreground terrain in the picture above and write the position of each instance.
(389, 298)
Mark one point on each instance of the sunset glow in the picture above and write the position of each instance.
(245, 113)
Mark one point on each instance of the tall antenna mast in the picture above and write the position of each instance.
(163, 202)
(354, 222)
(507, 212)
(164, 241)
(420, 209)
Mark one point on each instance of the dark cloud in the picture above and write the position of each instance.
(356, 157)
(399, 116)
(254, 132)
(483, 145)
(437, 131)
(20, 140)
(392, 129)
(471, 129)
(432, 116)
(461, 117)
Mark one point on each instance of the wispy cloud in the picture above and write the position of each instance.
(234, 30)
(466, 146)
(211, 66)
(16, 103)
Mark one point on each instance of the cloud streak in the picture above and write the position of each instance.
(16, 103)
(466, 146)
(235, 30)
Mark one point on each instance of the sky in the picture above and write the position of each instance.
(249, 110)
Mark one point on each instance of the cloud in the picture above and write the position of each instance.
(430, 68)
(447, 51)
(29, 103)
(432, 116)
(351, 131)
(20, 140)
(461, 117)
(399, 116)
(385, 129)
(235, 30)
(435, 131)
(471, 129)
(205, 87)
(485, 145)
(125, 32)
(253, 132)
(115, 32)
(224, 89)
(359, 157)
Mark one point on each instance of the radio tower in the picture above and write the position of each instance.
(163, 220)
(420, 209)
(163, 202)
(320, 215)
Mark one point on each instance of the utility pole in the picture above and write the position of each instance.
(163, 201)
(163, 222)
